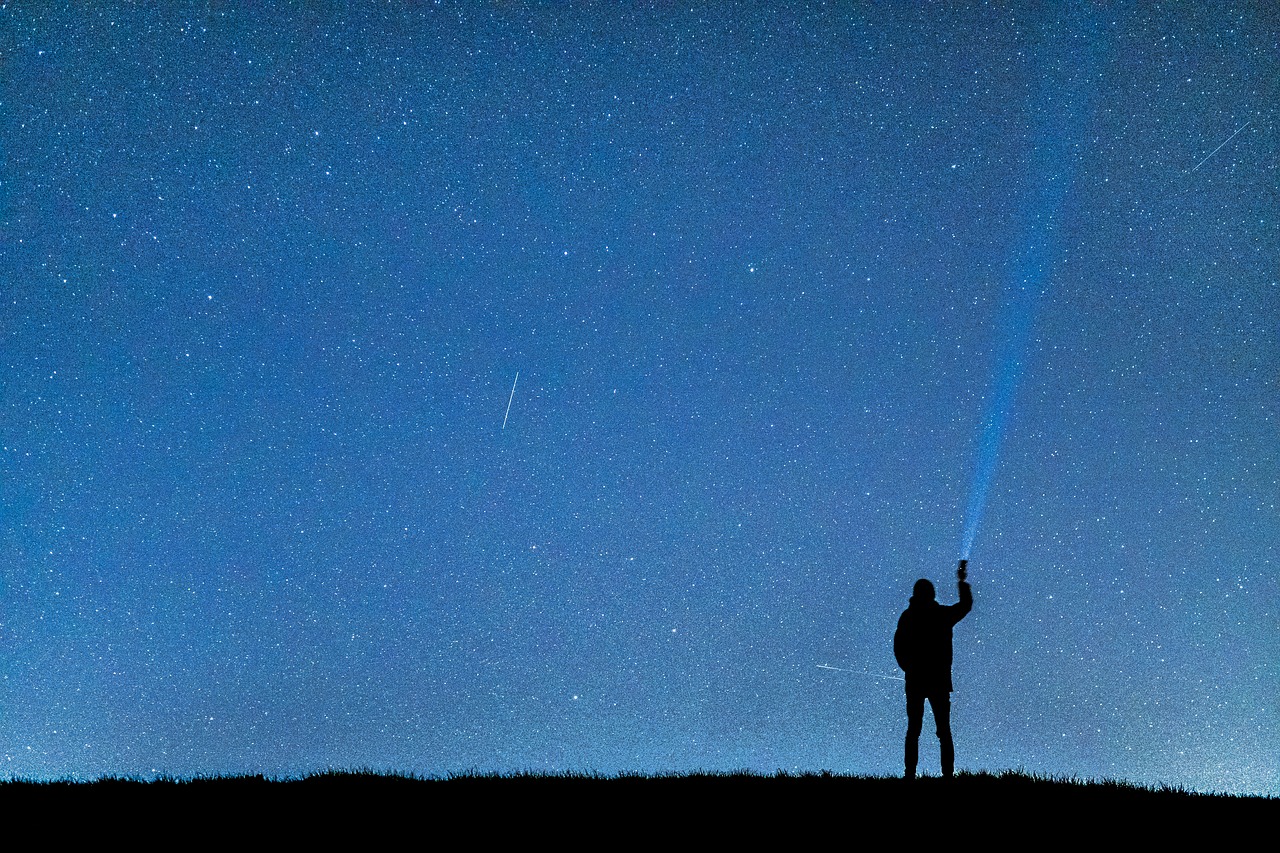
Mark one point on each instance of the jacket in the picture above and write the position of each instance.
(922, 643)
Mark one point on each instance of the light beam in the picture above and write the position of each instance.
(1062, 108)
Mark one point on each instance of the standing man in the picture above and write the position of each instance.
(922, 645)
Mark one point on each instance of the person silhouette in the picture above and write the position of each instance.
(922, 646)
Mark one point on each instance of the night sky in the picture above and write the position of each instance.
(267, 276)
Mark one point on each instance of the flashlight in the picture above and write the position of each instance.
(963, 571)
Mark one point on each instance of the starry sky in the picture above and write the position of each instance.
(776, 279)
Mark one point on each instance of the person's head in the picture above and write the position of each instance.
(923, 591)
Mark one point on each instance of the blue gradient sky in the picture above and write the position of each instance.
(268, 277)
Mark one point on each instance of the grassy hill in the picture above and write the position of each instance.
(996, 810)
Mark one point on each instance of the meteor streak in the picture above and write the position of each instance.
(509, 399)
(1219, 148)
(861, 672)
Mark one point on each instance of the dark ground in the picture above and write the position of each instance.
(1000, 811)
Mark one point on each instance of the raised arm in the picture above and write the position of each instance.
(961, 609)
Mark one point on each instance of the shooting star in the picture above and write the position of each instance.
(861, 672)
(1219, 148)
(509, 399)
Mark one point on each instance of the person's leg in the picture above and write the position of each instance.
(941, 705)
(915, 722)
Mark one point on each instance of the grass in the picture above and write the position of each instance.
(664, 808)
